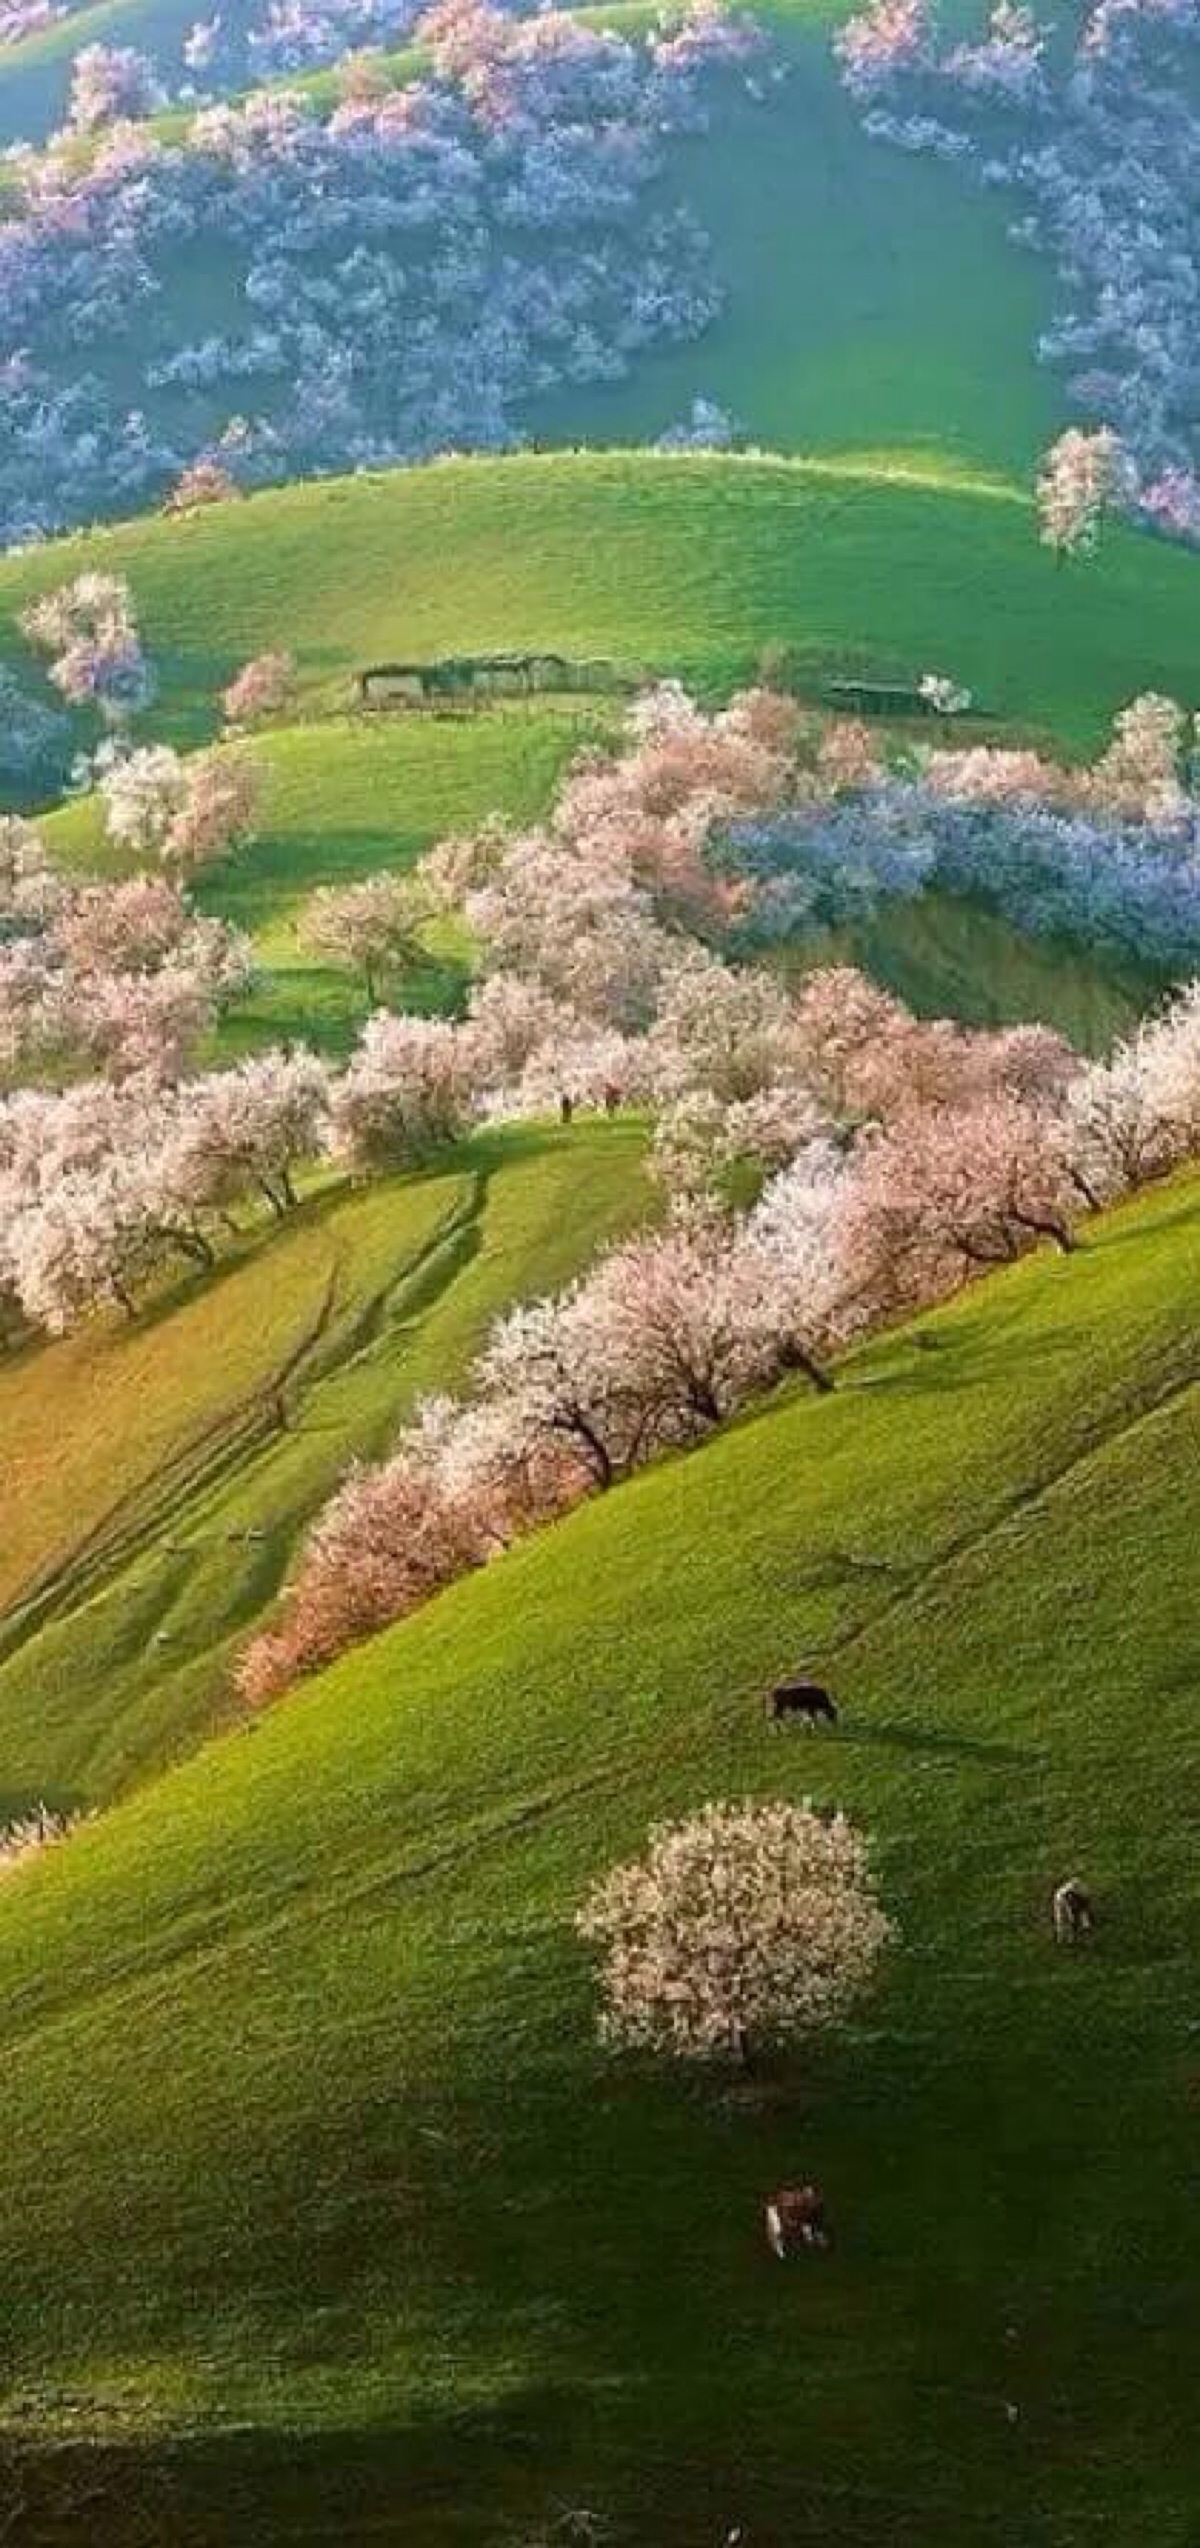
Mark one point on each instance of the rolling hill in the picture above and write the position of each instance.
(872, 301)
(322, 2215)
(678, 565)
(689, 566)
(153, 1501)
(322, 2209)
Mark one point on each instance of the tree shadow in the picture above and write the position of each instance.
(922, 1739)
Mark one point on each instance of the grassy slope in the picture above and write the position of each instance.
(136, 1459)
(873, 300)
(344, 799)
(678, 565)
(684, 565)
(306, 2128)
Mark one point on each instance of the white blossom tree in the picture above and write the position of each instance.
(1083, 478)
(89, 630)
(408, 1088)
(747, 1925)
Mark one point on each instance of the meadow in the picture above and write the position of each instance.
(689, 565)
(308, 2131)
(694, 567)
(322, 2211)
(160, 1476)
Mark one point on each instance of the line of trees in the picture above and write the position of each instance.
(827, 1160)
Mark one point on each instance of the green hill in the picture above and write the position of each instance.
(873, 301)
(689, 565)
(35, 75)
(344, 798)
(153, 1503)
(324, 2213)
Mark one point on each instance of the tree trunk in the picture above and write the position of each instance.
(744, 2050)
(1085, 1191)
(1058, 1232)
(797, 1358)
(193, 1244)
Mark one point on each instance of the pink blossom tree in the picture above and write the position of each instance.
(264, 686)
(372, 925)
(408, 1089)
(946, 1193)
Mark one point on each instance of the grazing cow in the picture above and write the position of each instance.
(796, 2219)
(1073, 1912)
(805, 1699)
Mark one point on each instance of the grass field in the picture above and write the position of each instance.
(676, 565)
(137, 1458)
(873, 300)
(321, 2214)
(307, 2134)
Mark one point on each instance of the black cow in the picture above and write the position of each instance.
(805, 1699)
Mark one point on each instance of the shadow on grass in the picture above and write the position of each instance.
(920, 1739)
(518, 2477)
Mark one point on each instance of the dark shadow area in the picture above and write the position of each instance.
(496, 2481)
(918, 1739)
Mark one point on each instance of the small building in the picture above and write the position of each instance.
(879, 698)
(464, 681)
(454, 680)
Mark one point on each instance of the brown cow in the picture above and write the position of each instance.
(796, 2219)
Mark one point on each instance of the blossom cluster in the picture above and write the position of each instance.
(745, 1925)
(107, 1187)
(403, 275)
(829, 1160)
(1100, 146)
(127, 978)
(1107, 855)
